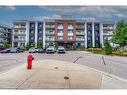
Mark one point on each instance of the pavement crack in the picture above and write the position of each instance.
(77, 59)
(26, 79)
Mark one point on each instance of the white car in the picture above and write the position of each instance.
(51, 49)
(32, 50)
(61, 49)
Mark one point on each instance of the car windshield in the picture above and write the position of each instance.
(60, 47)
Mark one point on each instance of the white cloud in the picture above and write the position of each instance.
(93, 11)
(10, 8)
(45, 17)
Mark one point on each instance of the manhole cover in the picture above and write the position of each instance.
(66, 77)
(56, 67)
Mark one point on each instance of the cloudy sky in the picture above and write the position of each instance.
(99, 13)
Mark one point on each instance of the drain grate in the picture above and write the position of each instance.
(66, 77)
(56, 67)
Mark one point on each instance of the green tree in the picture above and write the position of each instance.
(32, 45)
(5, 44)
(27, 46)
(90, 44)
(39, 45)
(120, 34)
(97, 45)
(107, 47)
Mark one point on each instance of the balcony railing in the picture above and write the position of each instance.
(3, 36)
(60, 34)
(50, 26)
(19, 26)
(70, 27)
(19, 40)
(80, 39)
(60, 27)
(108, 33)
(70, 34)
(50, 33)
(80, 27)
(108, 28)
(19, 34)
(50, 39)
(80, 33)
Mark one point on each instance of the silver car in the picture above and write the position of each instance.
(51, 49)
(61, 49)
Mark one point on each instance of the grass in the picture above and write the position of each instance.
(101, 51)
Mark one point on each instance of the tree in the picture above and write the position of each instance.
(39, 45)
(90, 44)
(5, 44)
(120, 34)
(27, 46)
(97, 45)
(32, 45)
(107, 47)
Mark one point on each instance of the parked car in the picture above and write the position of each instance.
(51, 49)
(36, 50)
(14, 50)
(41, 50)
(32, 50)
(61, 49)
(5, 51)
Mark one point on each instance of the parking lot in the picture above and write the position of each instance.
(110, 64)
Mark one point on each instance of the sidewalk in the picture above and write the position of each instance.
(52, 74)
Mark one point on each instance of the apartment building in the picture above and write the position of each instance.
(66, 32)
(5, 34)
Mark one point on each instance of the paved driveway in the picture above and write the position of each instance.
(110, 64)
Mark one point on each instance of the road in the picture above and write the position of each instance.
(110, 64)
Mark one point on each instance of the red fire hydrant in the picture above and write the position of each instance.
(29, 61)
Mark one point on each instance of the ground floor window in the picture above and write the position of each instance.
(15, 44)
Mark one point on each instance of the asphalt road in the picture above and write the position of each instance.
(110, 64)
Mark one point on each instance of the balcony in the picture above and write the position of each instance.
(70, 39)
(19, 26)
(50, 26)
(80, 39)
(60, 27)
(3, 36)
(80, 33)
(108, 33)
(50, 33)
(108, 28)
(60, 34)
(70, 34)
(19, 40)
(19, 34)
(50, 39)
(70, 27)
(80, 27)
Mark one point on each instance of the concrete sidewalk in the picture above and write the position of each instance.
(52, 74)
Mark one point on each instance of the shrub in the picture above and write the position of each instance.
(107, 48)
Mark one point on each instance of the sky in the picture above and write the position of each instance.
(99, 13)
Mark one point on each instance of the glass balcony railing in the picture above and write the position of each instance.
(80, 33)
(50, 39)
(108, 28)
(80, 39)
(50, 26)
(60, 34)
(50, 33)
(19, 26)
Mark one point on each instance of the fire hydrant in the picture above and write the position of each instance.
(29, 61)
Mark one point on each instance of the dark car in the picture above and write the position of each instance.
(41, 50)
(61, 49)
(5, 51)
